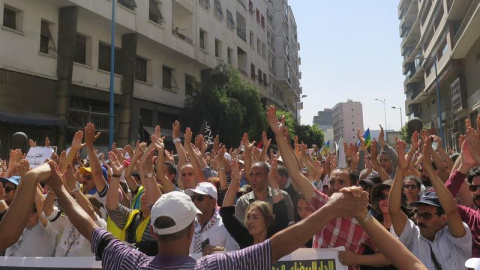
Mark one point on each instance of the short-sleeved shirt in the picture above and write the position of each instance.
(37, 241)
(340, 231)
(450, 252)
(117, 255)
(249, 198)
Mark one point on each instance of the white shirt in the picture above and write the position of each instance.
(216, 233)
(71, 242)
(450, 252)
(38, 241)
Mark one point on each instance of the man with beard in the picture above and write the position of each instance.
(440, 240)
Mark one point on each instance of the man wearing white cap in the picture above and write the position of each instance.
(210, 233)
(173, 217)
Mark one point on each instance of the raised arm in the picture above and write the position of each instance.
(79, 218)
(137, 154)
(266, 144)
(112, 192)
(247, 155)
(289, 159)
(16, 217)
(446, 199)
(152, 192)
(97, 175)
(376, 165)
(71, 184)
(193, 158)
(182, 155)
(399, 219)
(160, 166)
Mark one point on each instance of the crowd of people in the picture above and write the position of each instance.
(245, 208)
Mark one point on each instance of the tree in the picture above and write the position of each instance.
(310, 135)
(229, 104)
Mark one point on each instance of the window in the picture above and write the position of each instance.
(260, 76)
(166, 119)
(264, 50)
(80, 49)
(205, 3)
(230, 20)
(141, 69)
(252, 39)
(241, 27)
(263, 21)
(167, 74)
(130, 4)
(147, 117)
(265, 79)
(258, 16)
(46, 40)
(218, 48)
(259, 46)
(154, 14)
(203, 39)
(252, 71)
(189, 85)
(218, 10)
(104, 57)
(12, 18)
(229, 56)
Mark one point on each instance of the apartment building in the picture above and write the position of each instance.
(55, 61)
(323, 120)
(441, 43)
(347, 117)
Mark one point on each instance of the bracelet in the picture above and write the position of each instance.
(116, 175)
(177, 140)
(276, 192)
(365, 219)
(76, 189)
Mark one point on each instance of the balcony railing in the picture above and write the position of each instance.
(466, 20)
(182, 36)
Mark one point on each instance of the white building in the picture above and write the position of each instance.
(55, 61)
(347, 117)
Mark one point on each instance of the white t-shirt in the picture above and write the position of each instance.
(71, 242)
(38, 241)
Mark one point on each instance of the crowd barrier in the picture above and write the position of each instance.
(301, 259)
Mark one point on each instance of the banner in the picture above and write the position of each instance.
(207, 133)
(302, 258)
(36, 156)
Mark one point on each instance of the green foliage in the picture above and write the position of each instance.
(289, 122)
(406, 134)
(310, 135)
(229, 104)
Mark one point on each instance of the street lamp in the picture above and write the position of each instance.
(385, 113)
(437, 86)
(401, 120)
(296, 106)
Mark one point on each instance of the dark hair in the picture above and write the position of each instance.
(351, 174)
(282, 171)
(171, 168)
(475, 171)
(266, 210)
(262, 164)
(164, 222)
(296, 215)
(411, 177)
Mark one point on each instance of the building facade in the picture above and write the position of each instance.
(347, 117)
(440, 40)
(55, 61)
(323, 120)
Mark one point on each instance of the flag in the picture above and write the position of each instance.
(341, 154)
(367, 137)
(207, 133)
(325, 148)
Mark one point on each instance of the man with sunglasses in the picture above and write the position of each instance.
(440, 239)
(9, 187)
(210, 232)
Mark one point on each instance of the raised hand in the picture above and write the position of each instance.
(55, 181)
(90, 136)
(277, 127)
(69, 178)
(273, 176)
(349, 202)
(77, 140)
(265, 141)
(115, 163)
(381, 136)
(175, 130)
(415, 140)
(32, 143)
(471, 149)
(403, 161)
(47, 142)
(22, 167)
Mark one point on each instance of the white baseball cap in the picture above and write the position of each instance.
(177, 206)
(204, 188)
(473, 263)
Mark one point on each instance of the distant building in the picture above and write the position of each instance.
(347, 117)
(441, 37)
(323, 120)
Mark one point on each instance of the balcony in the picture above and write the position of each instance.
(467, 32)
(176, 33)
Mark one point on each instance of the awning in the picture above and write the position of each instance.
(31, 119)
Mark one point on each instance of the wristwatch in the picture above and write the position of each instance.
(149, 175)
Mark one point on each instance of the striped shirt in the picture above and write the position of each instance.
(117, 255)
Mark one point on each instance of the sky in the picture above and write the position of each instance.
(350, 49)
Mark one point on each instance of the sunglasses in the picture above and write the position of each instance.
(198, 197)
(426, 215)
(383, 196)
(8, 189)
(473, 188)
(87, 177)
(410, 186)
